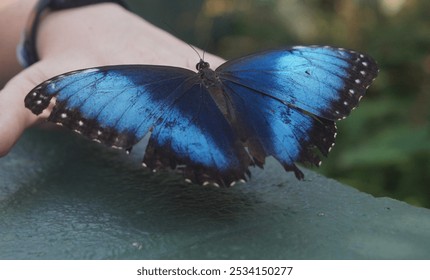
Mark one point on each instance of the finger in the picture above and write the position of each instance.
(14, 117)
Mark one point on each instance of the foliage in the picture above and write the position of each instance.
(383, 148)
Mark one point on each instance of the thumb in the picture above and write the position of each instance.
(14, 117)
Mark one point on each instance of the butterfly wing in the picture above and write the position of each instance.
(324, 81)
(115, 105)
(286, 101)
(118, 105)
(194, 133)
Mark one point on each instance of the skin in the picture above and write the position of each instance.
(90, 36)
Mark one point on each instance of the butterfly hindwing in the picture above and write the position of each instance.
(286, 133)
(193, 132)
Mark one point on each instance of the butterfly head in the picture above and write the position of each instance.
(202, 65)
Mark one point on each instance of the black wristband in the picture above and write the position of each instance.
(26, 50)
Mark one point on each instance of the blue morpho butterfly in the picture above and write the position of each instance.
(214, 125)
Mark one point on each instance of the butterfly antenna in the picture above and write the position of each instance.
(197, 52)
(204, 50)
(173, 31)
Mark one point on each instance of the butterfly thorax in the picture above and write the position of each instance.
(209, 77)
(212, 82)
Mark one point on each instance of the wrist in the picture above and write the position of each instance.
(27, 50)
(14, 15)
(106, 34)
(79, 29)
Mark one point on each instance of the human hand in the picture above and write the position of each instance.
(103, 34)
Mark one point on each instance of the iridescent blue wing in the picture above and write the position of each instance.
(324, 81)
(118, 105)
(115, 105)
(286, 101)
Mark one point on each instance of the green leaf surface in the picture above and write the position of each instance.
(390, 146)
(62, 197)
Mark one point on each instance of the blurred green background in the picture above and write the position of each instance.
(383, 148)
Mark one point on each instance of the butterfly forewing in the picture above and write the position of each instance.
(116, 105)
(324, 81)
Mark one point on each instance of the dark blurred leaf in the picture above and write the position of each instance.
(392, 146)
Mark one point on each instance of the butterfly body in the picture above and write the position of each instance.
(215, 124)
